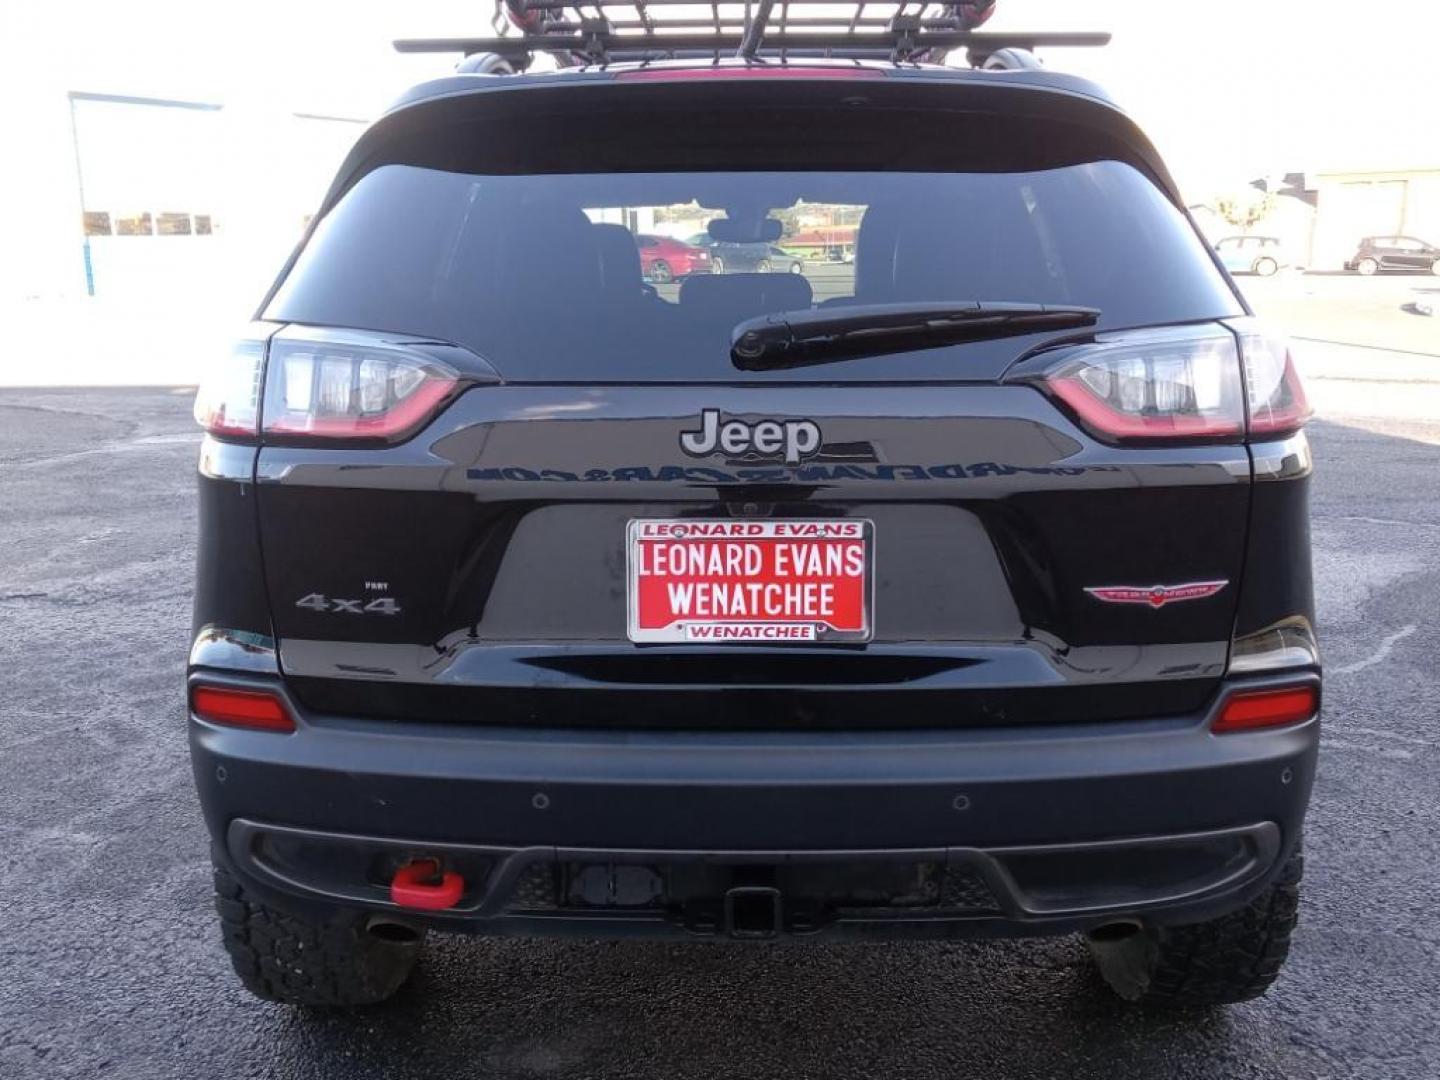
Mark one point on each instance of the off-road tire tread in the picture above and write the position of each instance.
(1221, 962)
(289, 958)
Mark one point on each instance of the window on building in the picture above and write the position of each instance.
(97, 223)
(172, 224)
(134, 225)
(203, 226)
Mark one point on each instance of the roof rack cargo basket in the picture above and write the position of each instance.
(629, 31)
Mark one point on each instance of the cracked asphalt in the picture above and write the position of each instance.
(110, 964)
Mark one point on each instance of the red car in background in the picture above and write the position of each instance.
(663, 259)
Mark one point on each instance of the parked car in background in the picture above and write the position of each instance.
(782, 262)
(728, 257)
(1262, 255)
(663, 258)
(1403, 253)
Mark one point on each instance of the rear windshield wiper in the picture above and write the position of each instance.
(789, 339)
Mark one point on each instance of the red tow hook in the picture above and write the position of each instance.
(421, 886)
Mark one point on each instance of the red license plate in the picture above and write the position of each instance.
(735, 581)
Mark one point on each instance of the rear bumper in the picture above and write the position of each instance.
(1045, 829)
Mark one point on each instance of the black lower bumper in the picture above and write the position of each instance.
(1045, 829)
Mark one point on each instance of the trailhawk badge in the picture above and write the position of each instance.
(1157, 596)
(795, 439)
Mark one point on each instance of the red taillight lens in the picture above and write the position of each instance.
(343, 385)
(262, 710)
(228, 404)
(1250, 710)
(1177, 385)
(1273, 390)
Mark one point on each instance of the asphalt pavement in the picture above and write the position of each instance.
(110, 964)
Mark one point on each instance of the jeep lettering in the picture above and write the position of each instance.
(798, 439)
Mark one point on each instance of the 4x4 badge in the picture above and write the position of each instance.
(1157, 596)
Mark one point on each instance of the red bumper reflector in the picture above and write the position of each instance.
(1252, 709)
(421, 886)
(258, 709)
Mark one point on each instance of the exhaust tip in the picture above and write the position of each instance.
(1113, 932)
(396, 933)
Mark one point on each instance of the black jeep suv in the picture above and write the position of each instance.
(962, 590)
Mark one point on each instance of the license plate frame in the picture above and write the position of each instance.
(852, 595)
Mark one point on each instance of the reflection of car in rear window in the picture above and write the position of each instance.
(781, 261)
(734, 257)
(664, 259)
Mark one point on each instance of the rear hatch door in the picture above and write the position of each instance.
(954, 544)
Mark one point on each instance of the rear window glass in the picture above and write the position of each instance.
(642, 276)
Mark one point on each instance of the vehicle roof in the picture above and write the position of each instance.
(752, 83)
(1032, 78)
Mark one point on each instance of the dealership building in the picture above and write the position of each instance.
(166, 174)
(142, 198)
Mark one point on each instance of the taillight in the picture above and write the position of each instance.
(1178, 385)
(347, 385)
(228, 404)
(1250, 710)
(1184, 384)
(1273, 390)
(263, 710)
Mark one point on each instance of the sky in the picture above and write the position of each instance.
(1226, 90)
(1264, 86)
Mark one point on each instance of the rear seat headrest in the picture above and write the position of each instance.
(571, 267)
(746, 295)
(619, 260)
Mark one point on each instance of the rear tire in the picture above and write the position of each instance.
(717, 265)
(661, 273)
(280, 956)
(764, 266)
(1367, 266)
(1233, 958)
(1266, 266)
(796, 268)
(1435, 268)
